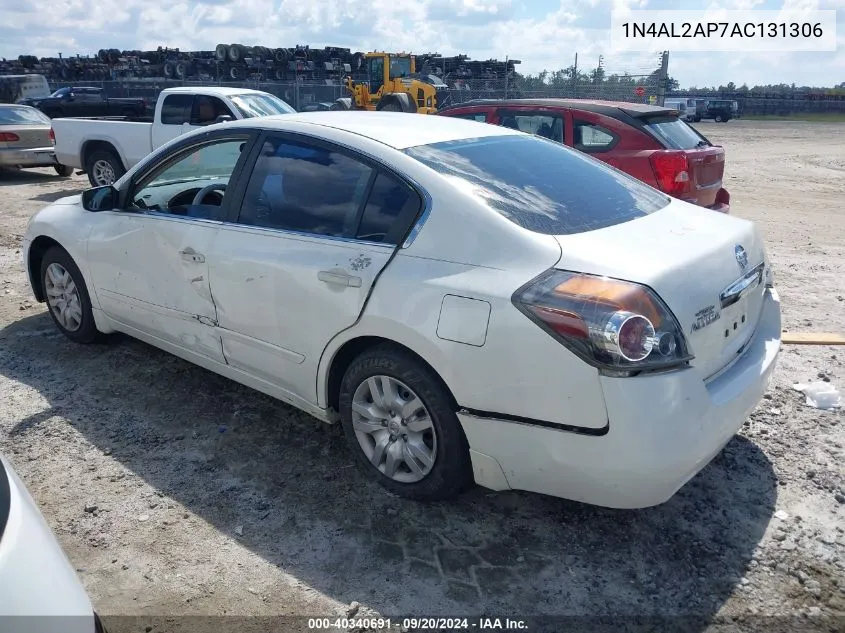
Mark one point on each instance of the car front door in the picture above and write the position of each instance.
(149, 261)
(317, 224)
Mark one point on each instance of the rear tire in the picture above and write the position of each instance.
(424, 453)
(67, 297)
(103, 168)
(63, 170)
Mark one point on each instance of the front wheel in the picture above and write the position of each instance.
(399, 422)
(719, 118)
(67, 297)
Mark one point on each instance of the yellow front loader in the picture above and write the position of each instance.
(392, 85)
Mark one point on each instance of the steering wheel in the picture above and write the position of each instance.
(202, 193)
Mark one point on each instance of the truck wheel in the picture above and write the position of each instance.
(718, 118)
(221, 52)
(63, 170)
(103, 168)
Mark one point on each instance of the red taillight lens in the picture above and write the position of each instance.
(9, 137)
(52, 136)
(612, 324)
(671, 169)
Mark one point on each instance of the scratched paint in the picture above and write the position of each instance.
(360, 262)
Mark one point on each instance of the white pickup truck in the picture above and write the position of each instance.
(106, 149)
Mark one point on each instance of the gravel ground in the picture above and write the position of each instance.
(174, 491)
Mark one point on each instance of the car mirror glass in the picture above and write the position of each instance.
(100, 198)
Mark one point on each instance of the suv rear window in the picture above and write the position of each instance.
(674, 133)
(541, 185)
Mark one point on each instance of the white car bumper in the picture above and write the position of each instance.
(662, 430)
(40, 589)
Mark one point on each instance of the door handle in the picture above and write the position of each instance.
(340, 278)
(190, 255)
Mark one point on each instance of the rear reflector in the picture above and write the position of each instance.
(671, 170)
(9, 137)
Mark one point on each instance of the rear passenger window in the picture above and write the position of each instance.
(590, 137)
(391, 208)
(176, 109)
(296, 186)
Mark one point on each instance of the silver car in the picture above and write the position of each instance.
(26, 139)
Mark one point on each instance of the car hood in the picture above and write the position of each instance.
(689, 256)
(69, 200)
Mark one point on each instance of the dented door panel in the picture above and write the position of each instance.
(282, 296)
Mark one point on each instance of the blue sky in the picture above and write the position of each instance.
(544, 34)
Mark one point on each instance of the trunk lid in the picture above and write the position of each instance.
(31, 136)
(706, 169)
(689, 256)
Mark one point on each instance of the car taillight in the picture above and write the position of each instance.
(615, 325)
(671, 169)
(9, 137)
(52, 136)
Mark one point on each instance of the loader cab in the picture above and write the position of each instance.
(384, 68)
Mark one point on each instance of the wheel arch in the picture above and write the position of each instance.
(342, 354)
(93, 145)
(40, 245)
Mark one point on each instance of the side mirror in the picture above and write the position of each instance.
(100, 198)
(223, 118)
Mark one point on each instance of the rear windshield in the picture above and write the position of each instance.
(674, 133)
(542, 185)
(22, 115)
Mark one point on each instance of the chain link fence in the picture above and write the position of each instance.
(640, 81)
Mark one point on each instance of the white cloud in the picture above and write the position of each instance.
(543, 34)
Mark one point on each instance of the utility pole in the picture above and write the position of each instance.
(575, 77)
(663, 78)
(506, 76)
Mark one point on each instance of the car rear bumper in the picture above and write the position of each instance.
(40, 589)
(662, 430)
(32, 157)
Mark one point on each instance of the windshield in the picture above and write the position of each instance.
(22, 115)
(60, 92)
(674, 133)
(253, 105)
(542, 185)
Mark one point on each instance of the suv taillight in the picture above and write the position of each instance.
(52, 136)
(671, 169)
(618, 326)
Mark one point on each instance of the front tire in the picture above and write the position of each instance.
(67, 297)
(399, 423)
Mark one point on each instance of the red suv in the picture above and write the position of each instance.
(648, 142)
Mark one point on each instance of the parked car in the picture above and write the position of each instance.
(87, 101)
(720, 110)
(470, 302)
(26, 139)
(41, 591)
(106, 149)
(648, 142)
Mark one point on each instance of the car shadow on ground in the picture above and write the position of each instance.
(10, 177)
(236, 457)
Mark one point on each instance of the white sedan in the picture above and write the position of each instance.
(39, 589)
(472, 303)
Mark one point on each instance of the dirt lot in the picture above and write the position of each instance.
(175, 491)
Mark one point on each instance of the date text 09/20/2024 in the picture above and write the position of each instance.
(411, 624)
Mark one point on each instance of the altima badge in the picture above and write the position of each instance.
(705, 317)
(741, 257)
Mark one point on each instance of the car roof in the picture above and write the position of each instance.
(398, 130)
(223, 91)
(610, 108)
